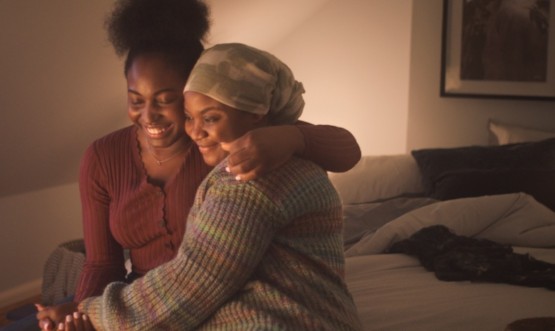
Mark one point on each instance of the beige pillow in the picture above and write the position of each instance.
(378, 178)
(510, 134)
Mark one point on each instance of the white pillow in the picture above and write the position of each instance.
(378, 178)
(510, 134)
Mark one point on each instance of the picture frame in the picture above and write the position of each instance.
(483, 57)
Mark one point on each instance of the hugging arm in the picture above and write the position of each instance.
(333, 148)
(262, 150)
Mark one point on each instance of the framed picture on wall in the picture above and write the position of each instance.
(498, 49)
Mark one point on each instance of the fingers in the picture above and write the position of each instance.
(244, 177)
(46, 324)
(68, 325)
(42, 315)
(58, 317)
(242, 163)
(238, 155)
(75, 322)
(236, 146)
(244, 171)
(41, 311)
(227, 146)
(87, 323)
(260, 151)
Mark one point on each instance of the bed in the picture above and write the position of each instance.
(503, 194)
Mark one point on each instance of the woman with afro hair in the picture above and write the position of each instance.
(138, 183)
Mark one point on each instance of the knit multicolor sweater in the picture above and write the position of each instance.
(262, 255)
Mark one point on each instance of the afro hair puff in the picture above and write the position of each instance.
(146, 23)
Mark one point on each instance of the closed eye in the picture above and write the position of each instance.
(211, 119)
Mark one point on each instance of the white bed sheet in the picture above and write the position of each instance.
(394, 292)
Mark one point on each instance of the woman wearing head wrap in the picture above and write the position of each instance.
(245, 79)
(257, 255)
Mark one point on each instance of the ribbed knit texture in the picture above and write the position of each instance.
(121, 209)
(261, 255)
(334, 149)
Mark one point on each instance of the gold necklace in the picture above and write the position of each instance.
(159, 162)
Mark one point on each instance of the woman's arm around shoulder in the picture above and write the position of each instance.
(333, 148)
(262, 150)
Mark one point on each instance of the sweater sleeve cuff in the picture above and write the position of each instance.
(92, 307)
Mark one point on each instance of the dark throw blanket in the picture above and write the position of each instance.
(454, 258)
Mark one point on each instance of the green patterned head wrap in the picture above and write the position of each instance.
(250, 80)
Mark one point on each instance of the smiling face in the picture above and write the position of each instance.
(155, 100)
(209, 123)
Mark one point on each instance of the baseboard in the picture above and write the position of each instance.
(20, 292)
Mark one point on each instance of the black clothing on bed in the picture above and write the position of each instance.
(453, 258)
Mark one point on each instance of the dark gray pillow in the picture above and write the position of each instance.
(529, 156)
(471, 183)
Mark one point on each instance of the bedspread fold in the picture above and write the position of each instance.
(515, 219)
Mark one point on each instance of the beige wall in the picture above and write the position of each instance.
(353, 58)
(61, 87)
(33, 224)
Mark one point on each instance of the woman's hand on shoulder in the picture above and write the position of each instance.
(262, 150)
